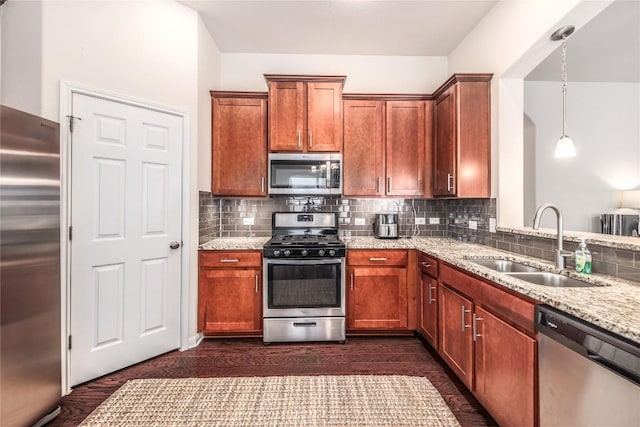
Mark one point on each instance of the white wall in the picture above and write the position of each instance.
(21, 66)
(366, 74)
(509, 42)
(602, 120)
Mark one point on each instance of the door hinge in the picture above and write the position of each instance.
(71, 119)
(70, 232)
(69, 342)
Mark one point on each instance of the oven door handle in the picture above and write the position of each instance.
(297, 261)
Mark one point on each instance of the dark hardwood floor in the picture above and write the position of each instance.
(249, 357)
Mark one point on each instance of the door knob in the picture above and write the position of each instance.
(174, 244)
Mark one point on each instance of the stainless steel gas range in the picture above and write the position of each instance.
(304, 271)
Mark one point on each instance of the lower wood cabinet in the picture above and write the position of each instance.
(488, 340)
(230, 293)
(378, 291)
(427, 296)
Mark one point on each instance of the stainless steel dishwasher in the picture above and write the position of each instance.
(587, 376)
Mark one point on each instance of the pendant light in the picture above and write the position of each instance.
(564, 147)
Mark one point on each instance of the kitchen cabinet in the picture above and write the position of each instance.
(462, 142)
(230, 293)
(305, 113)
(487, 337)
(387, 145)
(428, 299)
(378, 291)
(239, 143)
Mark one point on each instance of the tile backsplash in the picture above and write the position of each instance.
(443, 218)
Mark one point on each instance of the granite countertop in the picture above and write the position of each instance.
(613, 305)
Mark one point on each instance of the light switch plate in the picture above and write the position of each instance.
(248, 221)
(434, 221)
(359, 221)
(420, 220)
(473, 225)
(492, 225)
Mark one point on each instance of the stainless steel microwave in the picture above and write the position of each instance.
(305, 174)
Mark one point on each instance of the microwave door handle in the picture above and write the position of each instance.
(329, 175)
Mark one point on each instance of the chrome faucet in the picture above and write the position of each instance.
(560, 254)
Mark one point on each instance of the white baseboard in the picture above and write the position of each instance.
(194, 341)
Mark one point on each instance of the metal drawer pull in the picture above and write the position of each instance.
(262, 184)
(378, 184)
(377, 259)
(464, 310)
(299, 144)
(424, 264)
(389, 184)
(304, 324)
(475, 328)
(257, 284)
(431, 288)
(351, 281)
(230, 260)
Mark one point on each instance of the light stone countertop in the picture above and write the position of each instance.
(613, 305)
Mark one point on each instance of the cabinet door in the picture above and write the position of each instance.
(363, 154)
(239, 147)
(456, 342)
(444, 151)
(428, 322)
(505, 362)
(377, 298)
(230, 301)
(324, 116)
(287, 111)
(405, 147)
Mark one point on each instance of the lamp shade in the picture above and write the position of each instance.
(565, 148)
(630, 199)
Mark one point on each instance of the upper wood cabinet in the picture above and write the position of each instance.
(239, 143)
(385, 146)
(462, 142)
(305, 113)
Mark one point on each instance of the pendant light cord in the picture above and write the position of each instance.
(564, 85)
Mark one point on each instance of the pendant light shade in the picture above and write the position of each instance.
(564, 147)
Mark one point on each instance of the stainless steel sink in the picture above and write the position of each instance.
(504, 266)
(545, 278)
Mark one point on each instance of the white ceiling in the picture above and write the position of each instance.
(350, 27)
(607, 49)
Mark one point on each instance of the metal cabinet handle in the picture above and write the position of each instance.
(174, 244)
(475, 327)
(378, 184)
(257, 278)
(464, 310)
(377, 259)
(230, 260)
(262, 184)
(388, 184)
(449, 182)
(351, 281)
(299, 143)
(431, 288)
(426, 265)
(310, 139)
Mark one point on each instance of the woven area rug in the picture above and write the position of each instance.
(359, 400)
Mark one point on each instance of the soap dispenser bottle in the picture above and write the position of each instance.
(583, 258)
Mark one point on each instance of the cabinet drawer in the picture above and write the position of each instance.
(428, 265)
(377, 258)
(516, 310)
(230, 259)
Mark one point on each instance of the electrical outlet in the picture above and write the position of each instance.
(420, 220)
(359, 221)
(248, 221)
(473, 225)
(434, 221)
(492, 225)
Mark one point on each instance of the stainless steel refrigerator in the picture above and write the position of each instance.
(30, 337)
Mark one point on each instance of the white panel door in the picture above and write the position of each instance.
(126, 216)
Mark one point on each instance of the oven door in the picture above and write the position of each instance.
(304, 287)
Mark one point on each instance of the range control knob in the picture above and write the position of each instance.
(276, 252)
(304, 252)
(287, 252)
(321, 252)
(332, 252)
